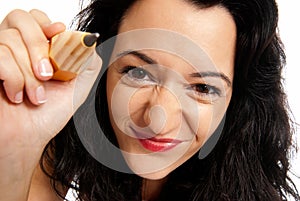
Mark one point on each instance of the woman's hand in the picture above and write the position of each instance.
(33, 108)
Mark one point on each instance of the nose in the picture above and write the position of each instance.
(156, 118)
(162, 114)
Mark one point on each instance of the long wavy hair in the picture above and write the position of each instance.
(251, 159)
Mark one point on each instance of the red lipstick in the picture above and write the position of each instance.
(159, 145)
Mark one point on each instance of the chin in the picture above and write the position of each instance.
(151, 166)
(148, 169)
(155, 175)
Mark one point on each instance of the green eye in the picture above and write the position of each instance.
(137, 73)
(137, 76)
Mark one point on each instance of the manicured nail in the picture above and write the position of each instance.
(45, 68)
(19, 97)
(41, 95)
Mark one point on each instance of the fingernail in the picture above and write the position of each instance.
(45, 68)
(19, 97)
(41, 95)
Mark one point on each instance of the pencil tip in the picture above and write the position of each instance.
(90, 39)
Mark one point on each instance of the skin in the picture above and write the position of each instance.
(213, 30)
(28, 102)
(33, 116)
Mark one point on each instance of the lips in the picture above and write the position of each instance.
(159, 145)
(155, 144)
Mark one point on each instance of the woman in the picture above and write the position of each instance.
(174, 105)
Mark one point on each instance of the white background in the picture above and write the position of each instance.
(65, 10)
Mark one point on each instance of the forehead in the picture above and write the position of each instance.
(212, 29)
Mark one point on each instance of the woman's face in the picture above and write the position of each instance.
(171, 82)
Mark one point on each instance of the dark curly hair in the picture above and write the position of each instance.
(251, 159)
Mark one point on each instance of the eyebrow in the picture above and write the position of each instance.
(140, 55)
(213, 74)
(149, 60)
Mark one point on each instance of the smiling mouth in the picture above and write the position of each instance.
(159, 145)
(154, 144)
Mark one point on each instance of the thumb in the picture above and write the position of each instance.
(51, 30)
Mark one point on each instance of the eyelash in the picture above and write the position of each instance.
(205, 89)
(128, 70)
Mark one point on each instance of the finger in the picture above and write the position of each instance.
(50, 29)
(34, 39)
(12, 77)
(41, 17)
(11, 39)
(53, 29)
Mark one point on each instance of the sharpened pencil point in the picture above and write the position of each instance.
(90, 39)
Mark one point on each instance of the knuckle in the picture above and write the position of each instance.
(40, 16)
(15, 12)
(12, 33)
(11, 38)
(11, 73)
(14, 15)
(37, 12)
(34, 11)
(5, 53)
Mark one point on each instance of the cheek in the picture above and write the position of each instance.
(211, 123)
(115, 100)
(204, 123)
(118, 104)
(124, 104)
(204, 119)
(110, 85)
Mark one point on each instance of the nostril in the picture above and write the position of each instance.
(158, 118)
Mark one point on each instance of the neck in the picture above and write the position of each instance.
(41, 188)
(152, 188)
